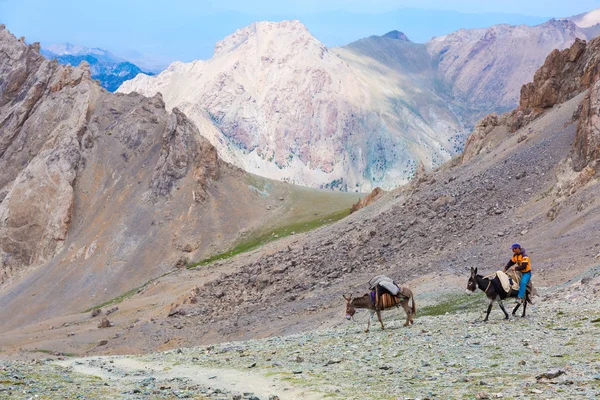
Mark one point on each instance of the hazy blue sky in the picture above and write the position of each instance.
(188, 29)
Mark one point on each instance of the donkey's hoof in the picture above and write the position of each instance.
(366, 331)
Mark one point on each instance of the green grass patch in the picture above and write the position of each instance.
(125, 295)
(452, 304)
(43, 351)
(118, 299)
(596, 321)
(54, 352)
(277, 233)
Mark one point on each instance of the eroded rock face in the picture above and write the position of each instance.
(586, 150)
(558, 80)
(369, 199)
(182, 151)
(476, 141)
(43, 113)
(51, 120)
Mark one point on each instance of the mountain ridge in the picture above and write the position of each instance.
(415, 101)
(111, 71)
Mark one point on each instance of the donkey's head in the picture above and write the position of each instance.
(472, 284)
(350, 310)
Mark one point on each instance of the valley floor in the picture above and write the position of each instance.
(554, 353)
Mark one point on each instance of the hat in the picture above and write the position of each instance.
(515, 246)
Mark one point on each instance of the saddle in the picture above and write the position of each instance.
(507, 283)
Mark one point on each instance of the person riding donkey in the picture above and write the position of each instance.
(520, 262)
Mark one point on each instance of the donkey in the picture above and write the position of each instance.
(366, 302)
(490, 287)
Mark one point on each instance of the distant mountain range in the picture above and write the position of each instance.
(111, 71)
(277, 102)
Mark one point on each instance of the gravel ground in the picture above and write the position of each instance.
(553, 353)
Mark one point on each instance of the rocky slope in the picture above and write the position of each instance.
(110, 70)
(101, 192)
(277, 102)
(448, 353)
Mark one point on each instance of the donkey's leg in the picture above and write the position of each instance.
(370, 318)
(379, 318)
(503, 309)
(514, 311)
(489, 309)
(525, 305)
(408, 312)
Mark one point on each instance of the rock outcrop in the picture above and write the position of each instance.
(181, 152)
(476, 140)
(367, 200)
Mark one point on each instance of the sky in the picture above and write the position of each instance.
(185, 30)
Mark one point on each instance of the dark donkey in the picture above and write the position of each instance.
(365, 302)
(491, 289)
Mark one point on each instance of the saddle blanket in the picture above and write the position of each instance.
(386, 300)
(508, 282)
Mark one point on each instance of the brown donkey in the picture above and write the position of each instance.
(365, 302)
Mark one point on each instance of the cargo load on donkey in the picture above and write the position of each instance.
(383, 294)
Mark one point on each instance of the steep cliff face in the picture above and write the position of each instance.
(276, 102)
(43, 111)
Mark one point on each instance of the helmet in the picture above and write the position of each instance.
(515, 246)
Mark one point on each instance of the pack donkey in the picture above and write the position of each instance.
(385, 302)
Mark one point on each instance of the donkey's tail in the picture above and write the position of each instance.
(414, 305)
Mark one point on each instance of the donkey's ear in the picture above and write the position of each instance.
(475, 271)
(345, 298)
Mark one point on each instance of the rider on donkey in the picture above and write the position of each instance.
(523, 265)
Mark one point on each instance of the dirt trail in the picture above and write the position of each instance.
(124, 371)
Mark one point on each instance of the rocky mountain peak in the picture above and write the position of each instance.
(260, 37)
(397, 35)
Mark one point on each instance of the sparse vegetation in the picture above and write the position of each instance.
(453, 304)
(125, 295)
(259, 240)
